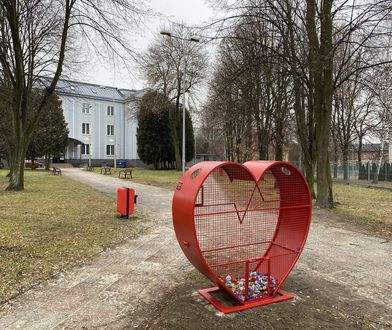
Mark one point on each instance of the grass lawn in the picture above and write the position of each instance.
(159, 178)
(365, 206)
(369, 208)
(54, 224)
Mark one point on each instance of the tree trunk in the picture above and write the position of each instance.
(359, 157)
(263, 146)
(279, 142)
(375, 178)
(345, 162)
(279, 127)
(16, 164)
(324, 179)
(377, 173)
(359, 152)
(335, 158)
(309, 174)
(33, 162)
(47, 162)
(278, 152)
(324, 182)
(305, 135)
(321, 68)
(323, 127)
(238, 142)
(173, 130)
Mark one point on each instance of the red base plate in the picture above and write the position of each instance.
(280, 296)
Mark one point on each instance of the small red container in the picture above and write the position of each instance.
(126, 201)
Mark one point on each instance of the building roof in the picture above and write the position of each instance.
(374, 147)
(94, 91)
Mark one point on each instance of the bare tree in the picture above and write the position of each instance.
(313, 32)
(251, 91)
(164, 65)
(34, 44)
(367, 119)
(384, 102)
(345, 116)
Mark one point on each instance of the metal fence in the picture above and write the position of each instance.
(360, 172)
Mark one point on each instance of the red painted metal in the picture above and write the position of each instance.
(226, 309)
(126, 201)
(233, 219)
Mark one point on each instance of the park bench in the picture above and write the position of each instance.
(125, 172)
(56, 171)
(106, 170)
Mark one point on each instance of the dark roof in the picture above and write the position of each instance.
(77, 88)
(94, 91)
(374, 147)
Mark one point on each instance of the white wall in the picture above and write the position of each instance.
(124, 127)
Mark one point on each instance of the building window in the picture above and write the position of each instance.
(86, 107)
(110, 130)
(110, 110)
(85, 149)
(110, 149)
(85, 128)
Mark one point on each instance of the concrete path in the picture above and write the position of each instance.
(121, 287)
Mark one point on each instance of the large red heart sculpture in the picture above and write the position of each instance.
(243, 226)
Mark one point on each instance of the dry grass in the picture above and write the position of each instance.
(365, 206)
(53, 224)
(369, 208)
(160, 178)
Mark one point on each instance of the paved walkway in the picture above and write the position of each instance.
(119, 287)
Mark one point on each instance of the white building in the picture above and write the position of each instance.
(101, 122)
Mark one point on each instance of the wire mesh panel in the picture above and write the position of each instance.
(249, 224)
(236, 220)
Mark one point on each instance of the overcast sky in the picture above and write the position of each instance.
(190, 12)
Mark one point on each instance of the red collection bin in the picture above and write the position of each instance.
(126, 200)
(243, 226)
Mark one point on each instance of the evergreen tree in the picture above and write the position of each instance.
(154, 138)
(153, 133)
(50, 136)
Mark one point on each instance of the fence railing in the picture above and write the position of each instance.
(362, 171)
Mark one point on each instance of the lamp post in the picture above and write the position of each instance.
(193, 39)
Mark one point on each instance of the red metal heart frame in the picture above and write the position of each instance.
(243, 226)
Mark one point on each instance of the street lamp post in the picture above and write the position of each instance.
(193, 39)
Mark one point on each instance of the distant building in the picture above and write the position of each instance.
(371, 151)
(101, 121)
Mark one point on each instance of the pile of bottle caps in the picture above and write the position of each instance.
(257, 285)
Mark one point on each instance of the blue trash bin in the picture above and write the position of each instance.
(122, 163)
